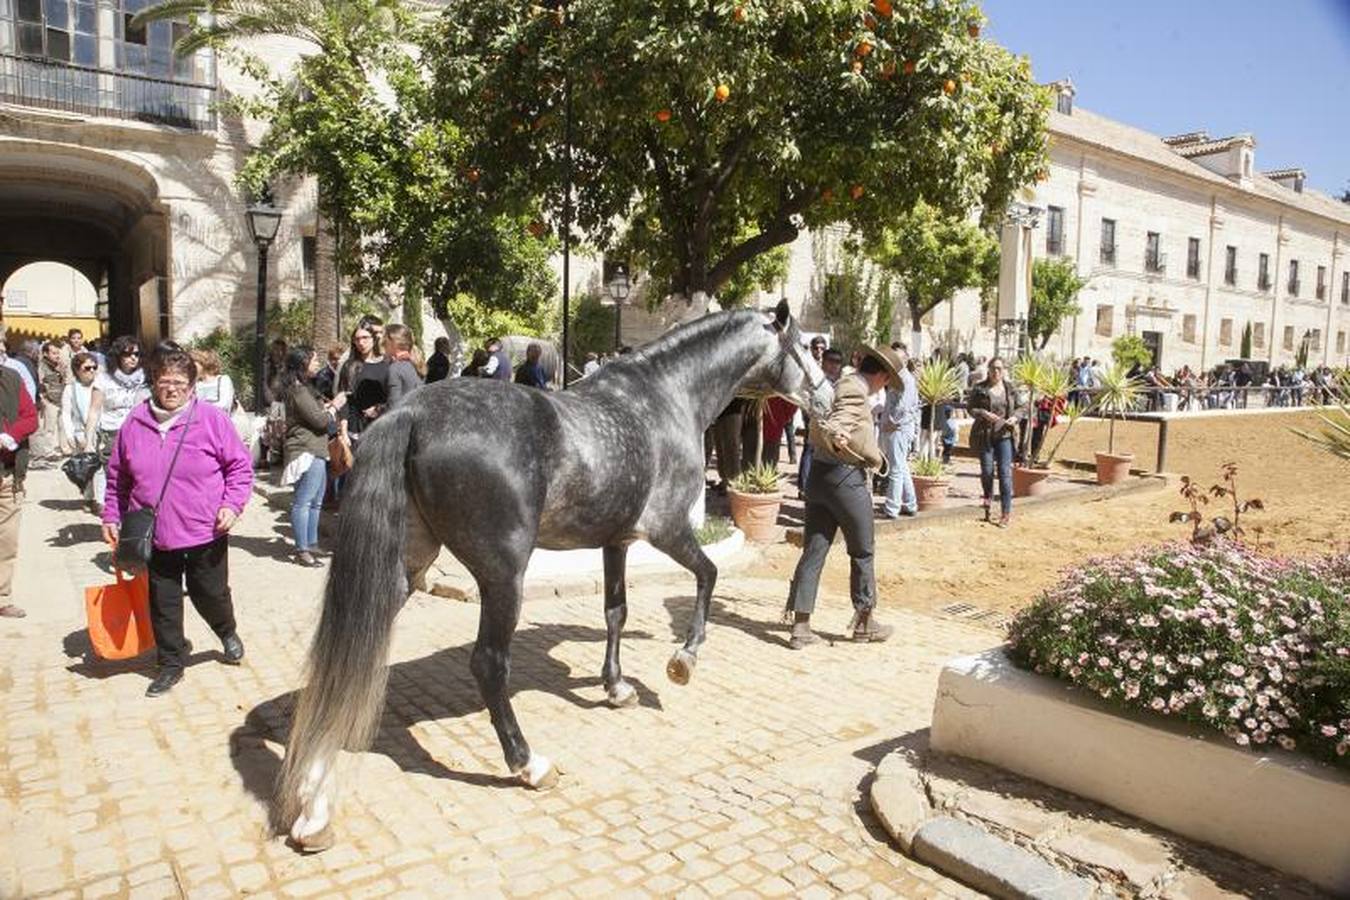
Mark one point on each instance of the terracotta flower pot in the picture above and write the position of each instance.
(756, 514)
(931, 492)
(1028, 482)
(1113, 468)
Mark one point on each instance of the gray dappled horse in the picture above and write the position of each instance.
(490, 470)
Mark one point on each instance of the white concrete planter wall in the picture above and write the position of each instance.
(1277, 808)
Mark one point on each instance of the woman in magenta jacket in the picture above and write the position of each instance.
(207, 491)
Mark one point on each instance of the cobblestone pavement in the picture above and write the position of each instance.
(748, 781)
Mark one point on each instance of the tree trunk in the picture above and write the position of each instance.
(916, 313)
(327, 328)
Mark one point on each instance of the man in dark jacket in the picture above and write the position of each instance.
(18, 419)
(438, 366)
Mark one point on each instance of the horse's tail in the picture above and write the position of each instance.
(340, 705)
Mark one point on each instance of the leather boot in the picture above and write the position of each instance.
(802, 635)
(867, 630)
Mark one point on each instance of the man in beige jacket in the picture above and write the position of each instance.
(839, 496)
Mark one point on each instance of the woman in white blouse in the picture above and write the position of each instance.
(80, 405)
(213, 386)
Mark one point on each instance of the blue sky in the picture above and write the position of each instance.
(1279, 70)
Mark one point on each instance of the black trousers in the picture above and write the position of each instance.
(838, 497)
(206, 571)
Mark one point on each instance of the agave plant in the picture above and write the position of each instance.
(1042, 378)
(937, 382)
(1117, 395)
(1072, 413)
(1335, 434)
(756, 479)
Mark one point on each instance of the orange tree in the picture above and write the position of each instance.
(707, 133)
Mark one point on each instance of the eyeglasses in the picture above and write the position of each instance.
(89, 368)
(176, 384)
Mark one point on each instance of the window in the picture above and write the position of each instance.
(1345, 287)
(1225, 332)
(1263, 272)
(1193, 258)
(309, 253)
(1064, 103)
(1188, 329)
(1109, 242)
(1153, 259)
(1289, 337)
(1316, 340)
(1259, 334)
(43, 28)
(1230, 265)
(1340, 342)
(1293, 277)
(1105, 315)
(1321, 282)
(1054, 232)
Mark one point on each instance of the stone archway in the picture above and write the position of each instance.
(96, 212)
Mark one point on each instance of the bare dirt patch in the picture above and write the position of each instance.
(1307, 495)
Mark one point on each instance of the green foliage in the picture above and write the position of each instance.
(928, 467)
(1245, 351)
(714, 529)
(1129, 350)
(933, 254)
(938, 382)
(757, 479)
(592, 328)
(235, 349)
(1117, 394)
(714, 132)
(765, 272)
(854, 297)
(477, 322)
(293, 322)
(1054, 297)
(1218, 635)
(1334, 436)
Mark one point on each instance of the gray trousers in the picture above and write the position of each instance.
(837, 497)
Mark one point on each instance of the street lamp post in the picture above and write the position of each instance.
(618, 292)
(263, 221)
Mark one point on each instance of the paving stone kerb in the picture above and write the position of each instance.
(744, 781)
(1280, 809)
(994, 866)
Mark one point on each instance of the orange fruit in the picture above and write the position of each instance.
(739, 14)
(869, 21)
(973, 29)
(909, 67)
(949, 87)
(722, 93)
(883, 8)
(538, 229)
(663, 115)
(888, 70)
(864, 49)
(473, 175)
(856, 192)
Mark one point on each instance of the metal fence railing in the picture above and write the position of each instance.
(101, 92)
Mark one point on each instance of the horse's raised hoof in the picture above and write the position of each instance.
(681, 666)
(622, 695)
(317, 842)
(539, 774)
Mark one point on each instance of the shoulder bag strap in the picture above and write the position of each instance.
(168, 476)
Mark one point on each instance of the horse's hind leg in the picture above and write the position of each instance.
(619, 692)
(685, 550)
(491, 665)
(420, 550)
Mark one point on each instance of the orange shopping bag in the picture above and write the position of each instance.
(119, 617)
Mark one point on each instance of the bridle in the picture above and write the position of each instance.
(794, 352)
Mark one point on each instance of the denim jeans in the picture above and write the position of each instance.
(900, 486)
(1000, 453)
(307, 503)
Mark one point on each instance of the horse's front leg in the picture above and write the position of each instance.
(491, 665)
(619, 692)
(685, 550)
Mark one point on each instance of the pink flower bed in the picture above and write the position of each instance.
(1253, 646)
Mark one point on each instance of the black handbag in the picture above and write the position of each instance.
(80, 468)
(136, 536)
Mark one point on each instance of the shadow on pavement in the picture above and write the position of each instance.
(62, 505)
(432, 688)
(79, 533)
(774, 632)
(262, 547)
(76, 646)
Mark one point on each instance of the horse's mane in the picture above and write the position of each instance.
(700, 330)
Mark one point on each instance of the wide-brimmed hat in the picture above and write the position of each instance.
(890, 359)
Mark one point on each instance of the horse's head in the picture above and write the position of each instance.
(789, 371)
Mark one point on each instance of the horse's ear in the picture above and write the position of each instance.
(781, 313)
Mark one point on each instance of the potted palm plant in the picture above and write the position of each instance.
(938, 383)
(1117, 395)
(755, 497)
(1040, 378)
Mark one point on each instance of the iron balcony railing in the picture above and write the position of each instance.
(1155, 261)
(1293, 286)
(102, 92)
(1108, 255)
(1263, 282)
